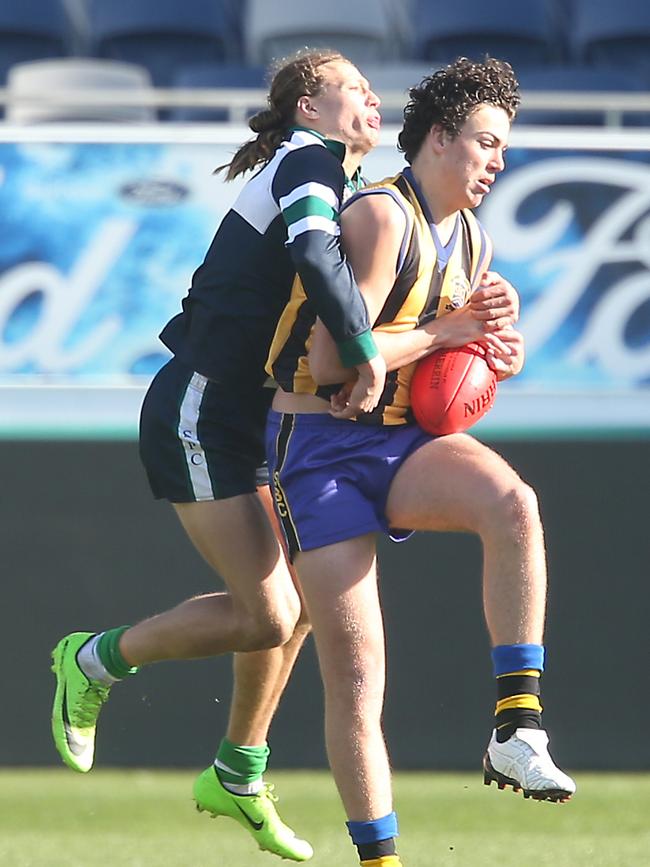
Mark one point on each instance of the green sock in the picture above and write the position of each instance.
(239, 766)
(109, 654)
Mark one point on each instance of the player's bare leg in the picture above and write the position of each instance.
(260, 611)
(456, 483)
(260, 677)
(261, 607)
(340, 587)
(234, 786)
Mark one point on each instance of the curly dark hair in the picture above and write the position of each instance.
(449, 95)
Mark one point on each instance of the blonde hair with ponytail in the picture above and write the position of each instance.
(294, 77)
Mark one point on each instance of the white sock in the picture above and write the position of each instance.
(248, 789)
(89, 662)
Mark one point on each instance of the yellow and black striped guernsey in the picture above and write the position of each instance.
(431, 281)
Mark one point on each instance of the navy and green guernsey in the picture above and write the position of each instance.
(282, 228)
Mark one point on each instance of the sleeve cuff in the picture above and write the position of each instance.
(357, 349)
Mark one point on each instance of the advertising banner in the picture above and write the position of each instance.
(103, 229)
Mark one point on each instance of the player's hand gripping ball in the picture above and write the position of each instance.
(452, 389)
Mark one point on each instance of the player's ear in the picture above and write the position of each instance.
(438, 138)
(307, 108)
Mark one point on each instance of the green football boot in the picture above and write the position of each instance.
(256, 813)
(77, 703)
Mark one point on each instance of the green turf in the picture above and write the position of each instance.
(56, 818)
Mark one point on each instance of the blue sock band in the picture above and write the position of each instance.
(517, 657)
(372, 832)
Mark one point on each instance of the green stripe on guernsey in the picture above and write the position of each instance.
(309, 207)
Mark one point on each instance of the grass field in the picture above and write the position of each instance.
(55, 818)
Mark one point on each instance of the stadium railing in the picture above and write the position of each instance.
(240, 101)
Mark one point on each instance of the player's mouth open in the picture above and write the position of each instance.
(374, 121)
(484, 185)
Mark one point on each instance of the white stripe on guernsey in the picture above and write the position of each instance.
(187, 432)
(309, 224)
(255, 203)
(318, 191)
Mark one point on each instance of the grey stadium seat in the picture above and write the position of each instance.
(162, 35)
(43, 77)
(521, 33)
(615, 34)
(361, 30)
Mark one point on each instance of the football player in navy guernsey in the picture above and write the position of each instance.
(419, 256)
(202, 432)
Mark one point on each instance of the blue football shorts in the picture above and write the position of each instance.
(200, 440)
(331, 477)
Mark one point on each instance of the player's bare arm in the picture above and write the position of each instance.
(372, 232)
(368, 386)
(372, 229)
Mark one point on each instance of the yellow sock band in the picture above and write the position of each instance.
(529, 672)
(530, 702)
(384, 861)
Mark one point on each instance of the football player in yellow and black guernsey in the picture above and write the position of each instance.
(419, 257)
(432, 278)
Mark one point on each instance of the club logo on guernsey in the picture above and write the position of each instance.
(460, 292)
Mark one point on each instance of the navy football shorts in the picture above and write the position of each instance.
(200, 440)
(331, 477)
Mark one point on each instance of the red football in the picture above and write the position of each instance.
(452, 389)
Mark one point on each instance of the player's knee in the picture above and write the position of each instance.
(518, 507)
(303, 623)
(268, 631)
(285, 627)
(263, 636)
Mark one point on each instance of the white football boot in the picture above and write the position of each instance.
(524, 763)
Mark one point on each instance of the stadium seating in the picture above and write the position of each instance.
(234, 14)
(612, 33)
(402, 23)
(32, 29)
(576, 78)
(521, 33)
(162, 35)
(554, 45)
(42, 77)
(361, 30)
(210, 75)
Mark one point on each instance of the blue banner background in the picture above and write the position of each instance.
(100, 241)
(99, 244)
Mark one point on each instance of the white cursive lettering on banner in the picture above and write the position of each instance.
(64, 299)
(574, 267)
